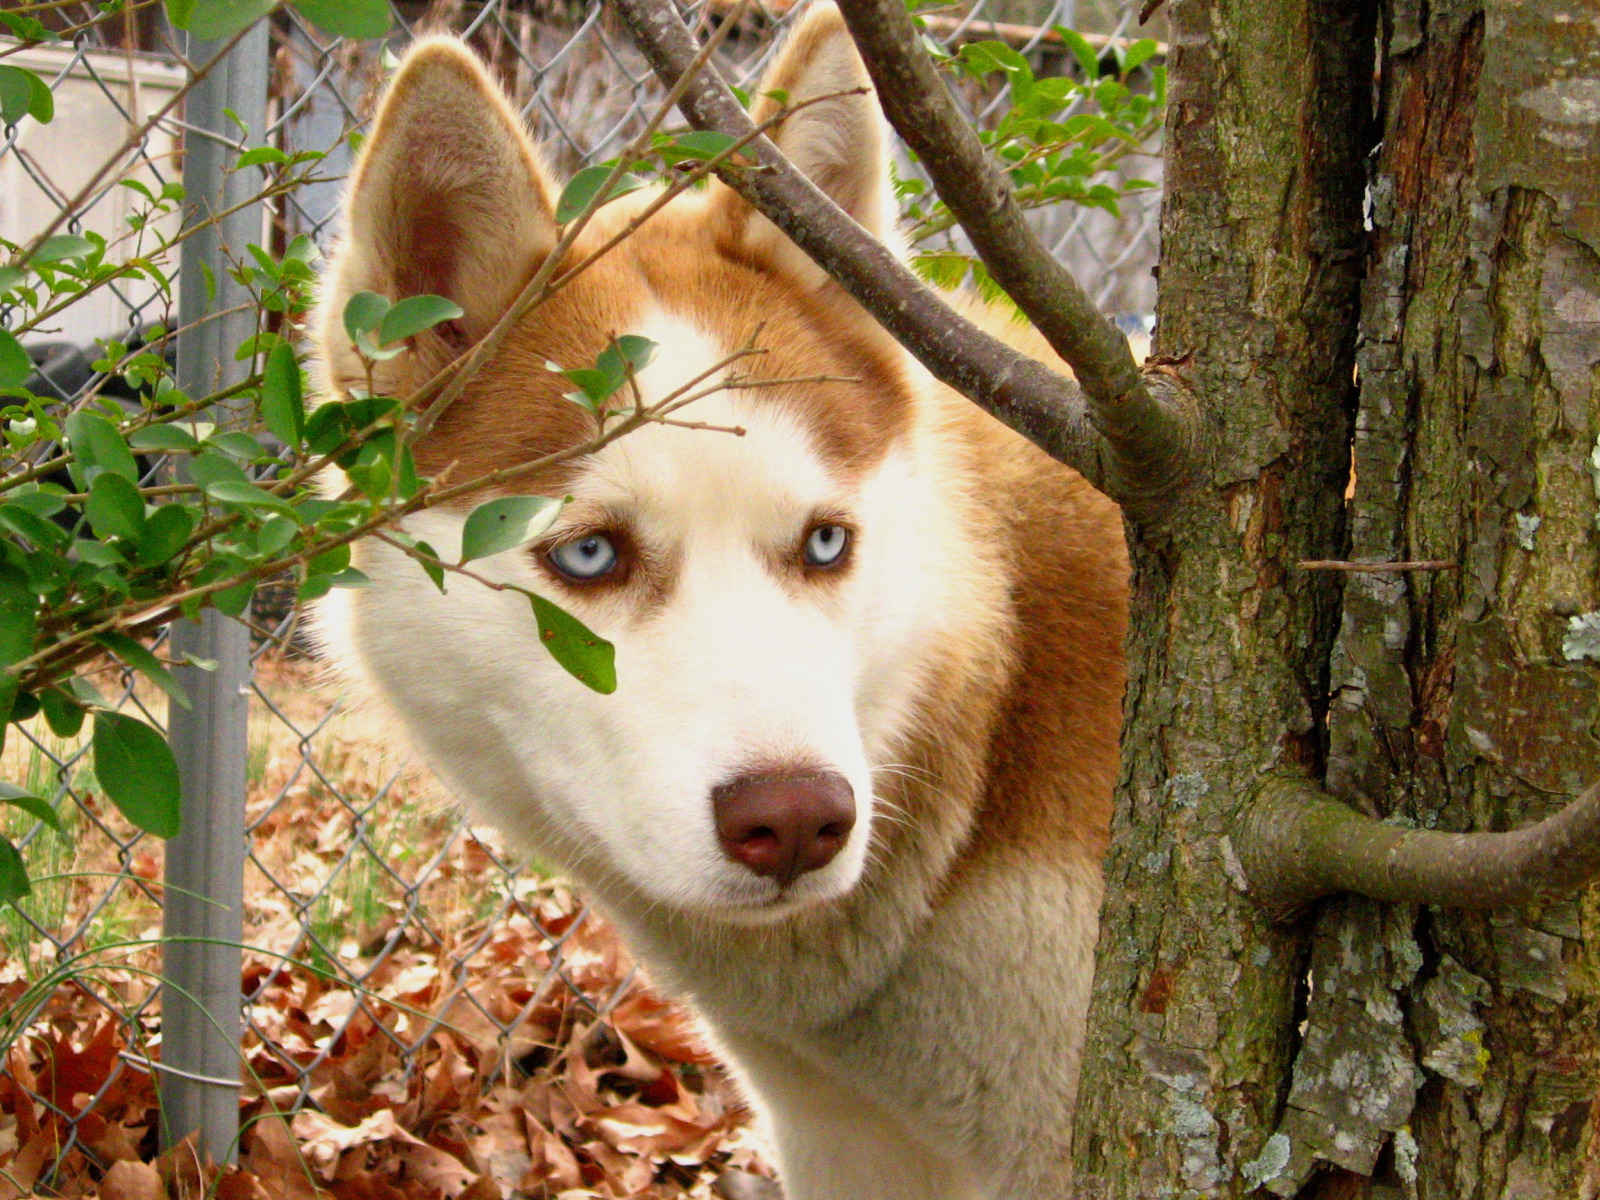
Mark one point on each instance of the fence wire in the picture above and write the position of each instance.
(377, 922)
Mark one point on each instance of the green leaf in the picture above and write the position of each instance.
(407, 485)
(1087, 58)
(326, 428)
(348, 18)
(165, 532)
(249, 495)
(61, 712)
(163, 437)
(99, 554)
(214, 20)
(18, 520)
(599, 383)
(695, 146)
(1138, 53)
(30, 804)
(584, 188)
(13, 875)
(42, 103)
(708, 143)
(29, 29)
(60, 248)
(313, 587)
(431, 565)
(594, 386)
(283, 406)
(414, 314)
(147, 664)
(238, 445)
(505, 523)
(211, 467)
(630, 349)
(15, 365)
(19, 614)
(276, 532)
(85, 691)
(135, 767)
(362, 313)
(258, 155)
(15, 93)
(331, 561)
(231, 602)
(114, 508)
(40, 504)
(98, 446)
(587, 656)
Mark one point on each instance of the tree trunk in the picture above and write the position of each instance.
(1367, 1050)
(1194, 1006)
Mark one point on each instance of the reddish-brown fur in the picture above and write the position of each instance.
(1013, 748)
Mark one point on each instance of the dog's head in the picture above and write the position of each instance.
(766, 563)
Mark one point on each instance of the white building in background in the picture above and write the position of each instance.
(100, 97)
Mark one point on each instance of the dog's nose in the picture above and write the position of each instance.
(782, 825)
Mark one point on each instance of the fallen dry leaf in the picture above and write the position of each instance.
(451, 1033)
(132, 1181)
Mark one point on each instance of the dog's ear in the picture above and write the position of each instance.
(449, 197)
(840, 143)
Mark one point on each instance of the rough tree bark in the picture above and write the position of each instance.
(1193, 1017)
(1380, 248)
(1368, 1049)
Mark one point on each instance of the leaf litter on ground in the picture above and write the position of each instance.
(433, 1029)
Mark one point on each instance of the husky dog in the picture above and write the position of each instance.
(851, 793)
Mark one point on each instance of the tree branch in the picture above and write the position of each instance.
(1043, 406)
(1297, 843)
(1147, 433)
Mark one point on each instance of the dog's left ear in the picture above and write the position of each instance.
(839, 142)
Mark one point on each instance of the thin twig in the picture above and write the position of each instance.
(1333, 564)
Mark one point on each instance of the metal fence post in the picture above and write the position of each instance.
(203, 909)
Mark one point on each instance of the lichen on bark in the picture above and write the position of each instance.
(1194, 998)
(1453, 704)
(1434, 1054)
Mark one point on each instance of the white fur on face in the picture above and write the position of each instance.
(741, 665)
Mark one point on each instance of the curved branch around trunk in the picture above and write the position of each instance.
(1149, 448)
(1111, 446)
(1297, 843)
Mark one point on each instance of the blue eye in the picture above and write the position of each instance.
(826, 544)
(587, 558)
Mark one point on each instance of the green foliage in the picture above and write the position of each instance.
(135, 767)
(588, 189)
(212, 20)
(118, 516)
(1058, 140)
(505, 523)
(24, 94)
(348, 18)
(590, 659)
(618, 362)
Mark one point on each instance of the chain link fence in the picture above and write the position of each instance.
(395, 958)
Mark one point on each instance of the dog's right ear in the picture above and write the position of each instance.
(449, 197)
